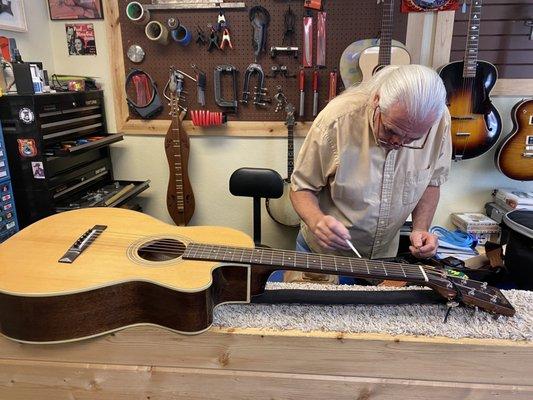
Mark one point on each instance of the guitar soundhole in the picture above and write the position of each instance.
(161, 250)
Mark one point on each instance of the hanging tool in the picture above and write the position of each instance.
(314, 4)
(274, 50)
(173, 23)
(280, 98)
(307, 59)
(201, 82)
(315, 92)
(289, 19)
(206, 118)
(221, 21)
(333, 75)
(201, 39)
(260, 18)
(226, 40)
(213, 40)
(260, 90)
(302, 93)
(321, 39)
(225, 70)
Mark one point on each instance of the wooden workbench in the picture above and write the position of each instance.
(151, 363)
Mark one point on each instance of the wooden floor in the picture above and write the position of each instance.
(150, 363)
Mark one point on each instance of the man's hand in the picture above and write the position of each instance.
(331, 233)
(424, 244)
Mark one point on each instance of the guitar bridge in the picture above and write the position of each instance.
(83, 242)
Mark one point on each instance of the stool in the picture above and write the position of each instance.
(257, 183)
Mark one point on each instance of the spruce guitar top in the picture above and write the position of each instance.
(281, 209)
(65, 278)
(514, 157)
(363, 58)
(180, 196)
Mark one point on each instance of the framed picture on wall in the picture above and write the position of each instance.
(12, 16)
(75, 9)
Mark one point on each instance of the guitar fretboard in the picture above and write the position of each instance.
(312, 262)
(472, 40)
(290, 150)
(386, 33)
(176, 153)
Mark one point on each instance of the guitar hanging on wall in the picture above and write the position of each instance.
(514, 157)
(363, 58)
(180, 197)
(476, 124)
(281, 209)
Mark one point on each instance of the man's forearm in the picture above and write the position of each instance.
(425, 209)
(305, 204)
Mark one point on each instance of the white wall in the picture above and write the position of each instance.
(213, 159)
(36, 44)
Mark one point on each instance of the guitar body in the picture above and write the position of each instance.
(369, 60)
(350, 67)
(281, 209)
(476, 124)
(109, 287)
(180, 196)
(514, 157)
(65, 279)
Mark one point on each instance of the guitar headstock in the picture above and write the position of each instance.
(177, 93)
(289, 109)
(472, 293)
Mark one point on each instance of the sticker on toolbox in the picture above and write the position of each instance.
(38, 169)
(3, 173)
(27, 147)
(8, 206)
(10, 225)
(6, 197)
(2, 163)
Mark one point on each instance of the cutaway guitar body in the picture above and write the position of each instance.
(514, 157)
(370, 64)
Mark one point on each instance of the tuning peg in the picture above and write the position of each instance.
(472, 292)
(484, 286)
(464, 280)
(493, 298)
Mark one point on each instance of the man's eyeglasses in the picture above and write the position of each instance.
(404, 140)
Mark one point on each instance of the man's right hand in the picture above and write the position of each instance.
(331, 233)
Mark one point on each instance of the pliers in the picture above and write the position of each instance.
(226, 40)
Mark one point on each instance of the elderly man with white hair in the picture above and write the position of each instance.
(374, 155)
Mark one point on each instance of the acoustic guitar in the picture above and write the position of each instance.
(514, 157)
(64, 278)
(363, 58)
(476, 124)
(281, 210)
(180, 196)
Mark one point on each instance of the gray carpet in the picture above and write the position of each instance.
(422, 319)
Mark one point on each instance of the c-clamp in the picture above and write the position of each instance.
(260, 91)
(227, 70)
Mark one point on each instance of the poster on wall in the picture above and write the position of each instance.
(12, 16)
(75, 9)
(428, 5)
(80, 39)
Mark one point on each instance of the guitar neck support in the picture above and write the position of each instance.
(154, 106)
(221, 102)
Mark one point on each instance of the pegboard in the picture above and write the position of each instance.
(347, 21)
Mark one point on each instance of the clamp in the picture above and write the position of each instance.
(221, 21)
(213, 40)
(201, 39)
(259, 90)
(226, 40)
(227, 70)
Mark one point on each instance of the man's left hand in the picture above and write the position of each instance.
(423, 244)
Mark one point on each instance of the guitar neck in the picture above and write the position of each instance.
(175, 153)
(472, 40)
(386, 33)
(290, 150)
(309, 262)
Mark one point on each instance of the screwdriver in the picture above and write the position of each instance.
(315, 93)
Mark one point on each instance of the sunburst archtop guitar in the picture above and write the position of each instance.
(82, 273)
(476, 124)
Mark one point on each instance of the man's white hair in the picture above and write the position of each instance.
(417, 88)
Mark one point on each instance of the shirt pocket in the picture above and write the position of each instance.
(416, 182)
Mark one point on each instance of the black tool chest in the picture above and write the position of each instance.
(8, 214)
(59, 156)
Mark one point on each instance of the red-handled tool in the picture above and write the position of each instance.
(302, 93)
(315, 93)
